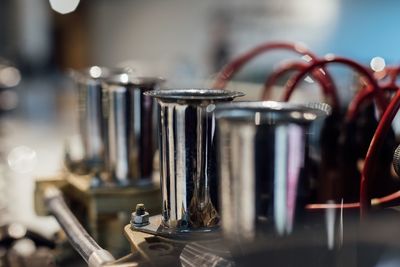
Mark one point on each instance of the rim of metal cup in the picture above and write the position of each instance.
(128, 79)
(95, 73)
(194, 94)
(258, 111)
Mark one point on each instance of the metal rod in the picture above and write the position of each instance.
(80, 240)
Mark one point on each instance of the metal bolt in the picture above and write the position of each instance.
(140, 209)
(140, 217)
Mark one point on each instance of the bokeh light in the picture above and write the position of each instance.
(8, 100)
(64, 6)
(9, 77)
(95, 72)
(377, 64)
(22, 159)
(124, 78)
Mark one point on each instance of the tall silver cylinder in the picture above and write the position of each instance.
(262, 169)
(130, 122)
(187, 157)
(90, 113)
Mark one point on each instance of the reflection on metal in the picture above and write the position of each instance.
(206, 253)
(155, 227)
(163, 249)
(330, 216)
(341, 225)
(103, 209)
(90, 114)
(80, 240)
(261, 166)
(130, 122)
(187, 157)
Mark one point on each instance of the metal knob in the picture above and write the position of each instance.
(396, 161)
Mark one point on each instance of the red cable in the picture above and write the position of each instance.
(363, 95)
(292, 83)
(377, 141)
(295, 66)
(355, 205)
(394, 73)
(273, 78)
(235, 65)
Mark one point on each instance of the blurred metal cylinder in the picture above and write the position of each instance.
(262, 171)
(187, 157)
(130, 123)
(90, 113)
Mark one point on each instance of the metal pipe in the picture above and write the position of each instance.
(187, 157)
(80, 240)
(130, 122)
(261, 156)
(90, 113)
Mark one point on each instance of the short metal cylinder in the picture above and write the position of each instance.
(130, 121)
(187, 157)
(261, 166)
(90, 113)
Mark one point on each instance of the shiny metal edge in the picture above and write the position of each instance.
(82, 75)
(246, 110)
(126, 79)
(194, 94)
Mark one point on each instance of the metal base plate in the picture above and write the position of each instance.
(155, 227)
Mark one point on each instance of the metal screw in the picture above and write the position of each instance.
(140, 209)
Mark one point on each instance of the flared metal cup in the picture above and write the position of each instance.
(131, 120)
(187, 157)
(261, 166)
(90, 113)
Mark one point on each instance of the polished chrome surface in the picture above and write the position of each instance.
(78, 237)
(194, 94)
(277, 111)
(90, 113)
(187, 156)
(261, 166)
(130, 122)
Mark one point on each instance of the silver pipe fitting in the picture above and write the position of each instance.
(261, 166)
(90, 113)
(131, 121)
(187, 156)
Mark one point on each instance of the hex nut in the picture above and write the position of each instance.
(140, 220)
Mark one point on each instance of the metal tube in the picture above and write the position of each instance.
(187, 157)
(130, 124)
(80, 240)
(262, 168)
(90, 113)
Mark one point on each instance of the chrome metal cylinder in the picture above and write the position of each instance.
(187, 157)
(90, 113)
(261, 166)
(130, 121)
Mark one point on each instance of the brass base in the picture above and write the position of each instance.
(184, 249)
